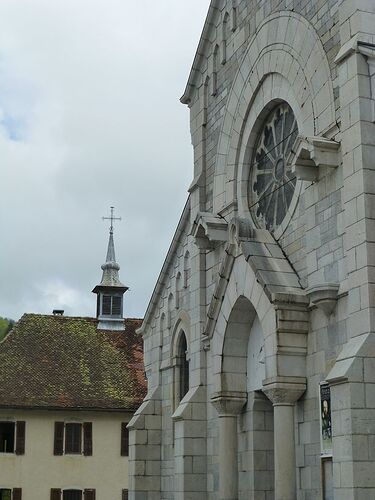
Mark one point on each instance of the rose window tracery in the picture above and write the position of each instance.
(272, 183)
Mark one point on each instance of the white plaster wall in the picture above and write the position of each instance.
(38, 470)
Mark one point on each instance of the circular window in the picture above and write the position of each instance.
(272, 183)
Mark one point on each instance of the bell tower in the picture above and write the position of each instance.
(110, 291)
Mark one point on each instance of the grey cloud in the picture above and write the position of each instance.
(96, 93)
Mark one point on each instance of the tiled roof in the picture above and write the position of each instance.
(65, 362)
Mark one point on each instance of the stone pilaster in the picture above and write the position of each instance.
(190, 446)
(145, 449)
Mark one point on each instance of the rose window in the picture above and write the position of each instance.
(272, 183)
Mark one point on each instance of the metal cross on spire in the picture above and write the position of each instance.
(111, 218)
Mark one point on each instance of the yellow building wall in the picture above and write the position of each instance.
(39, 470)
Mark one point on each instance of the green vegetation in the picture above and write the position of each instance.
(6, 325)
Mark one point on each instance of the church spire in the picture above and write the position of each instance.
(110, 291)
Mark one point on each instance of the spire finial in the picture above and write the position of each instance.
(111, 218)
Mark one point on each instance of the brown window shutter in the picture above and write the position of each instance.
(89, 495)
(58, 447)
(20, 437)
(125, 495)
(55, 494)
(124, 440)
(17, 494)
(87, 438)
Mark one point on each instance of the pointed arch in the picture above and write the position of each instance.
(178, 289)
(180, 358)
(234, 15)
(206, 91)
(169, 311)
(225, 35)
(215, 57)
(187, 269)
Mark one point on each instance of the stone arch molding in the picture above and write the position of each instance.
(284, 60)
(182, 324)
(284, 323)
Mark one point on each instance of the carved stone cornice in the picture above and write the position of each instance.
(229, 403)
(209, 230)
(312, 153)
(284, 390)
(324, 296)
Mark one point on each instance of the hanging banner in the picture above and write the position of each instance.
(325, 420)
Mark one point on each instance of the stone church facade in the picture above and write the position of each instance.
(259, 336)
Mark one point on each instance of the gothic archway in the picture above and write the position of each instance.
(246, 466)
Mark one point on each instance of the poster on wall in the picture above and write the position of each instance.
(325, 420)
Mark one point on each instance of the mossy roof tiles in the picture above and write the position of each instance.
(65, 362)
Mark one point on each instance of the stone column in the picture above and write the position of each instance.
(283, 395)
(228, 406)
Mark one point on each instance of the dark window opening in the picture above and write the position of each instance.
(116, 306)
(73, 440)
(5, 494)
(106, 308)
(7, 437)
(124, 440)
(72, 495)
(183, 366)
(111, 305)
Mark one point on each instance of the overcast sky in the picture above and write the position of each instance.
(90, 117)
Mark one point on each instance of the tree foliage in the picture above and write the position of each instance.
(6, 325)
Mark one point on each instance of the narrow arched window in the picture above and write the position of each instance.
(206, 90)
(162, 323)
(183, 366)
(215, 57)
(162, 330)
(225, 36)
(234, 15)
(170, 307)
(186, 268)
(178, 290)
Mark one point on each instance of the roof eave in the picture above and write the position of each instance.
(72, 408)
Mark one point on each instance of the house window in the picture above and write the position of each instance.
(8, 494)
(111, 305)
(72, 495)
(7, 435)
(72, 438)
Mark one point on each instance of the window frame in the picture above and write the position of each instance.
(19, 434)
(85, 441)
(110, 312)
(15, 493)
(13, 423)
(72, 438)
(6, 489)
(67, 490)
(86, 493)
(181, 366)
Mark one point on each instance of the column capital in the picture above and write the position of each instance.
(228, 403)
(284, 390)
